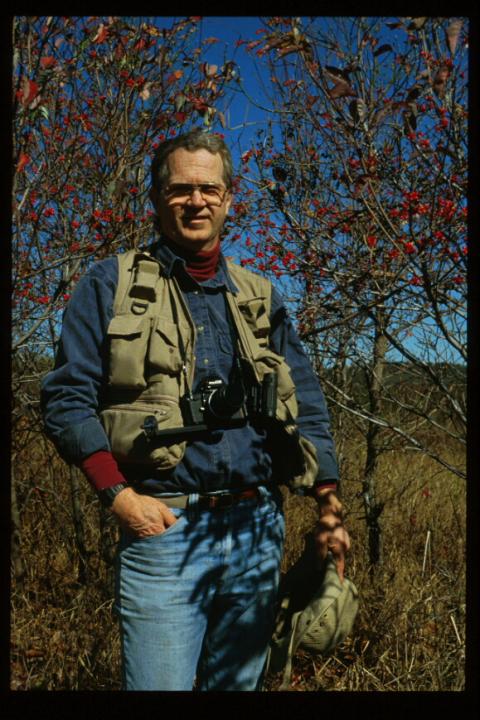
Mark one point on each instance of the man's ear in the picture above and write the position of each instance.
(229, 203)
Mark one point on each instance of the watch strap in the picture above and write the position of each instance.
(108, 495)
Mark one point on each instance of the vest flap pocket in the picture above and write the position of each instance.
(123, 423)
(255, 313)
(163, 351)
(167, 330)
(127, 326)
(128, 336)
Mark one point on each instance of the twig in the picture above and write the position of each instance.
(427, 547)
(456, 630)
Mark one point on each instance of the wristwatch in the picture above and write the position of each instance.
(108, 495)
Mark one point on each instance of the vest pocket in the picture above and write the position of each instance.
(123, 426)
(163, 349)
(127, 339)
(268, 361)
(255, 314)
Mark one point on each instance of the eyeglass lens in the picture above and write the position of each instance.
(209, 192)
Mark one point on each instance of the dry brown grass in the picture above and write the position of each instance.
(409, 633)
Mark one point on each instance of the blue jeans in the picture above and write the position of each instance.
(196, 603)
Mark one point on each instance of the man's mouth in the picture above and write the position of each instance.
(195, 219)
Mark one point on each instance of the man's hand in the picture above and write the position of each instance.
(330, 534)
(142, 515)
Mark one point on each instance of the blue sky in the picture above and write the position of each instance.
(242, 117)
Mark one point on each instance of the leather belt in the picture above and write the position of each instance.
(212, 502)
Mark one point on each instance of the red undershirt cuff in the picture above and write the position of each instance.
(328, 485)
(101, 470)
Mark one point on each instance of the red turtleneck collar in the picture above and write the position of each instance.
(201, 265)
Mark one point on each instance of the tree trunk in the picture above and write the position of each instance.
(373, 509)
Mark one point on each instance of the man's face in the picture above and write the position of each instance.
(193, 222)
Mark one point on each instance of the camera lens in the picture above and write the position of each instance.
(226, 401)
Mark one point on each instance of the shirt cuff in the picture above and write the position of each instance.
(326, 485)
(101, 470)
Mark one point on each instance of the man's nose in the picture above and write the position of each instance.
(196, 198)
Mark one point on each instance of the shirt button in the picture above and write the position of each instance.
(205, 362)
(200, 328)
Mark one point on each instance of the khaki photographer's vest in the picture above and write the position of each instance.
(151, 358)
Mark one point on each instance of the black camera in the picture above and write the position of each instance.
(220, 405)
(214, 402)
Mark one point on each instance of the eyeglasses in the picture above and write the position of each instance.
(211, 193)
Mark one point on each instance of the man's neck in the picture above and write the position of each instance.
(200, 264)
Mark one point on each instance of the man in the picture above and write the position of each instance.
(162, 394)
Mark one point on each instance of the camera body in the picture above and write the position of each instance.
(214, 401)
(217, 404)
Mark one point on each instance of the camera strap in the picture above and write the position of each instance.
(235, 338)
(237, 365)
(181, 344)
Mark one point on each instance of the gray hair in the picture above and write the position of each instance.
(197, 139)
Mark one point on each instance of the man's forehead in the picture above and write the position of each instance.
(183, 160)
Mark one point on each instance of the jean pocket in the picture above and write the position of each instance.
(171, 530)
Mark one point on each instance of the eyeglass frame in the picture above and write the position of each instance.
(197, 186)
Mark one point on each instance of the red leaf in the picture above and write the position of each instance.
(48, 62)
(23, 160)
(180, 117)
(101, 35)
(176, 75)
(29, 91)
(140, 44)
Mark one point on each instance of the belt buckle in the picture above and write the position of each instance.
(221, 502)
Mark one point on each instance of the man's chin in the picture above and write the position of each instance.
(196, 240)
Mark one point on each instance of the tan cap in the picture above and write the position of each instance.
(324, 621)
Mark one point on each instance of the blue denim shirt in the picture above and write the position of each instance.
(232, 458)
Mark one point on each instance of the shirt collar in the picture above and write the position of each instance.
(168, 260)
(172, 264)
